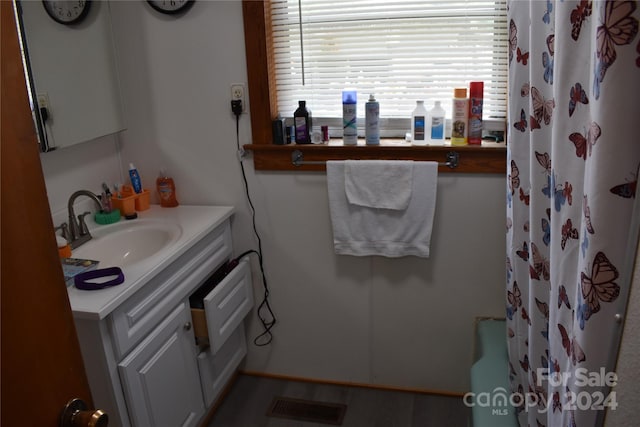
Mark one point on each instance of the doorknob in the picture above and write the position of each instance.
(77, 414)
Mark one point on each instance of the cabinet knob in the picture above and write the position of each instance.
(187, 326)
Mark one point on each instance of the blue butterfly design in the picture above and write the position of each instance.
(510, 312)
(599, 69)
(550, 184)
(547, 62)
(545, 333)
(585, 243)
(546, 228)
(546, 18)
(583, 314)
(559, 198)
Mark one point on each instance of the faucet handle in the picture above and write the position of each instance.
(83, 225)
(65, 231)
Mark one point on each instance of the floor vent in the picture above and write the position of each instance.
(307, 410)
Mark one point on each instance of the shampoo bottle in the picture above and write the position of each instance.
(418, 124)
(459, 117)
(302, 123)
(349, 117)
(437, 124)
(136, 183)
(372, 121)
(476, 95)
(166, 190)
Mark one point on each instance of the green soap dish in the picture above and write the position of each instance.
(103, 218)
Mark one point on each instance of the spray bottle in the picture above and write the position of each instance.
(372, 121)
(349, 118)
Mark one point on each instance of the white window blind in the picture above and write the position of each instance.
(399, 50)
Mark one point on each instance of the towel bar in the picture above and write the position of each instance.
(297, 158)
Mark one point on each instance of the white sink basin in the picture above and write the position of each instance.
(128, 242)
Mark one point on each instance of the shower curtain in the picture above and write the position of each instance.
(573, 160)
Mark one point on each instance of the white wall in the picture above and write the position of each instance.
(400, 322)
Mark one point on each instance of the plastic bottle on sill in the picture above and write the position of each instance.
(302, 123)
(349, 117)
(459, 117)
(437, 121)
(419, 124)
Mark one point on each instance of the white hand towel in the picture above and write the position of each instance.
(384, 184)
(362, 231)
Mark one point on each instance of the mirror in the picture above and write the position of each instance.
(75, 89)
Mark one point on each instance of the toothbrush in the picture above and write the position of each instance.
(107, 198)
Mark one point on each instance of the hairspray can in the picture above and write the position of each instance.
(349, 119)
(372, 121)
(476, 92)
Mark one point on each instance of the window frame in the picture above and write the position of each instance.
(486, 158)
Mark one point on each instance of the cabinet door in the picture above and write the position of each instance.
(160, 376)
(226, 306)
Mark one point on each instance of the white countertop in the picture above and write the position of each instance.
(195, 221)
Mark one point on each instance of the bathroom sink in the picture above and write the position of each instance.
(128, 242)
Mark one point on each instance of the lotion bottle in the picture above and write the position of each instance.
(419, 124)
(459, 117)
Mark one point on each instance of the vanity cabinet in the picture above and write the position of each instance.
(144, 364)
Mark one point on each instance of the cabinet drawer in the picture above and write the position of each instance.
(216, 370)
(139, 314)
(227, 305)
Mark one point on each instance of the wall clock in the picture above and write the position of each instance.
(171, 6)
(67, 12)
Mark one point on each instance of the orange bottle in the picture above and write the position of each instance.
(166, 190)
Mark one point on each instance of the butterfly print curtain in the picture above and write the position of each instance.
(573, 160)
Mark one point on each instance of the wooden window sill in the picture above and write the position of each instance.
(490, 157)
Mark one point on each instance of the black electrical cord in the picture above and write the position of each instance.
(265, 337)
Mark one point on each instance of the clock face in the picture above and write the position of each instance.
(171, 6)
(67, 12)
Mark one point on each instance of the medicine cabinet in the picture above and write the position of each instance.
(74, 84)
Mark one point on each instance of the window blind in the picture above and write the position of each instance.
(399, 50)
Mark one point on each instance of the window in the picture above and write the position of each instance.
(263, 107)
(400, 50)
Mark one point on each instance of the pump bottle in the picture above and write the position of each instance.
(166, 190)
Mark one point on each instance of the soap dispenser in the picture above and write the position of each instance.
(166, 190)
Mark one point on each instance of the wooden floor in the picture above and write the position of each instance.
(250, 398)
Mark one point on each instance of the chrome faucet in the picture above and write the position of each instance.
(78, 230)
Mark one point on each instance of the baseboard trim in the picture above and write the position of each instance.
(352, 384)
(206, 420)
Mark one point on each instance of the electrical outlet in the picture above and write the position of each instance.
(43, 100)
(237, 93)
